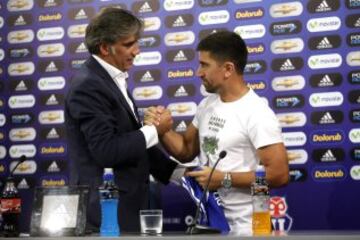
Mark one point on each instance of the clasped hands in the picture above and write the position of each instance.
(160, 117)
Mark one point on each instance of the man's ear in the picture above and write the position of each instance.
(105, 49)
(229, 69)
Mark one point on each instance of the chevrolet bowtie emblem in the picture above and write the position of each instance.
(178, 38)
(288, 119)
(180, 108)
(51, 116)
(79, 30)
(20, 68)
(19, 4)
(21, 134)
(287, 82)
(20, 36)
(285, 9)
(286, 45)
(146, 93)
(50, 50)
(293, 156)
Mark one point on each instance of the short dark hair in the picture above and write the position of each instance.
(109, 26)
(226, 46)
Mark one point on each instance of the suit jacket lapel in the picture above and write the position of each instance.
(99, 70)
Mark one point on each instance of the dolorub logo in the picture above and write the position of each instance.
(327, 137)
(328, 173)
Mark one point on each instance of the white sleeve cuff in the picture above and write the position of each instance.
(151, 136)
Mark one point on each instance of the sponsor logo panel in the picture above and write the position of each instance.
(323, 24)
(21, 101)
(326, 99)
(179, 38)
(327, 117)
(324, 42)
(293, 139)
(285, 28)
(76, 31)
(355, 154)
(26, 168)
(21, 85)
(176, 21)
(24, 19)
(180, 73)
(183, 90)
(50, 17)
(53, 181)
(49, 3)
(21, 69)
(283, 46)
(206, 32)
(19, 5)
(250, 31)
(150, 75)
(51, 83)
(2, 120)
(53, 149)
(147, 93)
(354, 115)
(181, 55)
(325, 80)
(354, 135)
(53, 166)
(147, 58)
(355, 172)
(298, 175)
(332, 60)
(255, 67)
(22, 134)
(353, 59)
(327, 137)
(147, 41)
(182, 109)
(52, 133)
(20, 52)
(46, 66)
(84, 13)
(257, 85)
(176, 5)
(292, 119)
(16, 151)
(212, 3)
(288, 83)
(249, 13)
(353, 21)
(48, 34)
(280, 219)
(288, 9)
(297, 156)
(51, 117)
(327, 155)
(77, 48)
(2, 152)
(152, 24)
(22, 118)
(287, 64)
(181, 125)
(255, 48)
(352, 4)
(53, 99)
(328, 173)
(353, 39)
(289, 101)
(321, 6)
(20, 36)
(354, 96)
(149, 6)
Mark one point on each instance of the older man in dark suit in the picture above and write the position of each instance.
(104, 129)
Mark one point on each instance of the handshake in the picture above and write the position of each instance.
(160, 117)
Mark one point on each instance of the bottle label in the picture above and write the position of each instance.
(11, 205)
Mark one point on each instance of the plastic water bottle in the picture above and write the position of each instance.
(109, 199)
(10, 209)
(261, 222)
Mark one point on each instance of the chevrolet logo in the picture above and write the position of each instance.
(21, 134)
(20, 36)
(20, 68)
(19, 4)
(180, 108)
(23, 167)
(288, 119)
(286, 45)
(51, 116)
(146, 93)
(355, 59)
(287, 82)
(50, 50)
(148, 24)
(285, 9)
(293, 156)
(79, 30)
(178, 38)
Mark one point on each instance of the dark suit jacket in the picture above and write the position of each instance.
(102, 132)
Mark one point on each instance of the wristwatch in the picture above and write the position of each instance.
(226, 182)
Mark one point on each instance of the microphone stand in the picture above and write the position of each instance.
(195, 228)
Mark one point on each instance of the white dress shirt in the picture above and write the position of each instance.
(119, 77)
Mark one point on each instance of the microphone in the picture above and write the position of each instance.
(21, 160)
(195, 228)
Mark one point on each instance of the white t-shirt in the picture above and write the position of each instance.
(239, 128)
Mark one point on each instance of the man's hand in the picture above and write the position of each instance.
(160, 117)
(202, 176)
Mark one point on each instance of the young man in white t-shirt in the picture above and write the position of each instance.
(232, 119)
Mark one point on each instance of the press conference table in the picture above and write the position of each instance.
(294, 235)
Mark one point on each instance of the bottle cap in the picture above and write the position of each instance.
(260, 171)
(108, 174)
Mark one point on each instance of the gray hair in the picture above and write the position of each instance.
(110, 25)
